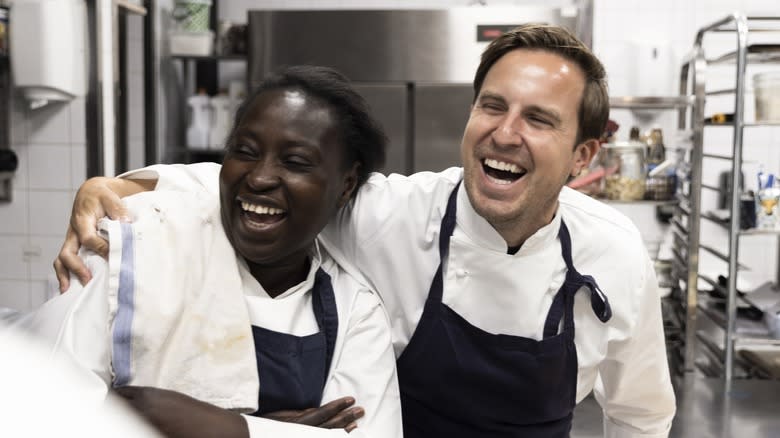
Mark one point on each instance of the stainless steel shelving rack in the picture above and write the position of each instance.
(687, 219)
(674, 318)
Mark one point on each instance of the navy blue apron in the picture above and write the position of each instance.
(293, 369)
(458, 380)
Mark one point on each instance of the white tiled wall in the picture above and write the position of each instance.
(135, 85)
(51, 142)
(51, 145)
(671, 25)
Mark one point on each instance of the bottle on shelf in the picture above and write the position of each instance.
(221, 109)
(634, 134)
(660, 184)
(198, 129)
(656, 153)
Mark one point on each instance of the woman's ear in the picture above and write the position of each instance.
(350, 183)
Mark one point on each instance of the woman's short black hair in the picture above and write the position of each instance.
(364, 139)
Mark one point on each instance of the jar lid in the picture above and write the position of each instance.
(625, 145)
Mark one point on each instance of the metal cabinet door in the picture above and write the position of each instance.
(389, 105)
(440, 115)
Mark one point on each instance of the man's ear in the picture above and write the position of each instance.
(350, 183)
(583, 155)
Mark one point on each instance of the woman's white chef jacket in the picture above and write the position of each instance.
(390, 235)
(363, 364)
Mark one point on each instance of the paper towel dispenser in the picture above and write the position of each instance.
(48, 49)
(8, 164)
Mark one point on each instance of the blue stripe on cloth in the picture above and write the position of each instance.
(122, 347)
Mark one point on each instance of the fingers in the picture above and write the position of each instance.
(113, 206)
(94, 200)
(345, 419)
(128, 392)
(338, 414)
(63, 277)
(327, 411)
(68, 261)
(84, 227)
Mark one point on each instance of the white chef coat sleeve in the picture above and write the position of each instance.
(364, 369)
(182, 177)
(636, 391)
(45, 395)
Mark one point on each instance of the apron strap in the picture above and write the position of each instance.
(445, 231)
(448, 223)
(326, 314)
(563, 303)
(598, 299)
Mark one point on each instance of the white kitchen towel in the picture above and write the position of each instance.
(176, 310)
(166, 310)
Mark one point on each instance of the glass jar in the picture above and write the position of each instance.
(624, 163)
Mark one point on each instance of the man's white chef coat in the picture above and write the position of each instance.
(389, 234)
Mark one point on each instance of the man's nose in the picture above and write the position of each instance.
(509, 130)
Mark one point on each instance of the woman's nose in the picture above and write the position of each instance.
(263, 176)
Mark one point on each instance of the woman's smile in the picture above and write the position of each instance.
(256, 217)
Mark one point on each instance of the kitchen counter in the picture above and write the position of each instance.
(751, 409)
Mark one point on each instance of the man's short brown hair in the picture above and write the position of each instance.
(593, 111)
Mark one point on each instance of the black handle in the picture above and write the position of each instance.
(8, 160)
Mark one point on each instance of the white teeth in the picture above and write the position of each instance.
(260, 209)
(500, 165)
(499, 181)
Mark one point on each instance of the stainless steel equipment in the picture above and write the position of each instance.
(414, 67)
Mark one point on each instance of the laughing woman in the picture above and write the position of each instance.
(300, 146)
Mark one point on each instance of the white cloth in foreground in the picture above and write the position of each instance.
(36, 385)
(167, 310)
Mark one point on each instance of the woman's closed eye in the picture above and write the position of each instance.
(298, 161)
(243, 150)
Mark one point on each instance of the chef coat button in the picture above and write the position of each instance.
(461, 273)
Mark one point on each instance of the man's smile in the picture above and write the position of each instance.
(501, 172)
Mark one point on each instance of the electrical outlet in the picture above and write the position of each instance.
(30, 252)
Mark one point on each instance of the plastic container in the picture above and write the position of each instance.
(192, 15)
(221, 116)
(767, 96)
(661, 183)
(624, 163)
(198, 129)
(192, 43)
